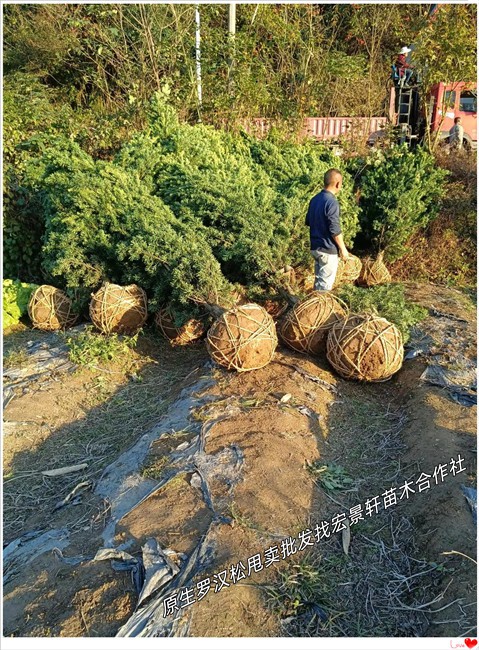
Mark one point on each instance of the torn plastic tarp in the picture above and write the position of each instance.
(29, 546)
(44, 358)
(149, 573)
(460, 382)
(122, 483)
(123, 561)
(471, 498)
(147, 620)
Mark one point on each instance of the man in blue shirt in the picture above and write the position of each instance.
(325, 231)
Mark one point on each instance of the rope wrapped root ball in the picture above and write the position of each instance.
(190, 331)
(243, 338)
(365, 347)
(305, 327)
(50, 309)
(118, 309)
(348, 270)
(374, 272)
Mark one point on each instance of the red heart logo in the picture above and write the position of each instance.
(470, 642)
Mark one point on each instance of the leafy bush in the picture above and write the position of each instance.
(233, 188)
(400, 194)
(185, 212)
(101, 223)
(445, 253)
(331, 477)
(33, 116)
(28, 111)
(386, 300)
(89, 347)
(16, 296)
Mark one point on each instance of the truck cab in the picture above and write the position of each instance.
(448, 101)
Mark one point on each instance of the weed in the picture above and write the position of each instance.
(15, 358)
(299, 587)
(176, 482)
(240, 518)
(331, 477)
(89, 347)
(156, 469)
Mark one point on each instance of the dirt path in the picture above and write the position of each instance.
(234, 468)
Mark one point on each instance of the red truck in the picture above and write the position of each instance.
(447, 101)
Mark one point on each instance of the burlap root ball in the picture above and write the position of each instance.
(374, 272)
(348, 270)
(243, 338)
(305, 327)
(122, 310)
(365, 347)
(190, 331)
(50, 309)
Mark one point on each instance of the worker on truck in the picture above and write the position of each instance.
(404, 69)
(323, 219)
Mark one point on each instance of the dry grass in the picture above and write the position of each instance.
(121, 402)
(383, 587)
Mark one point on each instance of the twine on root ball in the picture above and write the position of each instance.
(243, 338)
(305, 327)
(348, 270)
(190, 331)
(50, 309)
(365, 347)
(374, 272)
(118, 309)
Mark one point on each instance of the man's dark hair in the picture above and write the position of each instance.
(456, 120)
(330, 177)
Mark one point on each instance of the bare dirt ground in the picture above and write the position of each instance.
(262, 462)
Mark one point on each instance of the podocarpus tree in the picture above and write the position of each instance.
(400, 194)
(249, 197)
(186, 212)
(29, 115)
(101, 223)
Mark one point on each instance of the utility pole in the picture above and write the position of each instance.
(232, 19)
(198, 60)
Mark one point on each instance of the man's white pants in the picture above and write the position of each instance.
(325, 269)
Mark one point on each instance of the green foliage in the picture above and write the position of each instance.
(296, 171)
(286, 61)
(300, 587)
(386, 300)
(101, 223)
(89, 347)
(16, 296)
(232, 187)
(29, 114)
(400, 194)
(446, 51)
(331, 477)
(184, 211)
(15, 359)
(33, 117)
(448, 45)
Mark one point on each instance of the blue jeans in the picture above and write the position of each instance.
(325, 269)
(407, 76)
